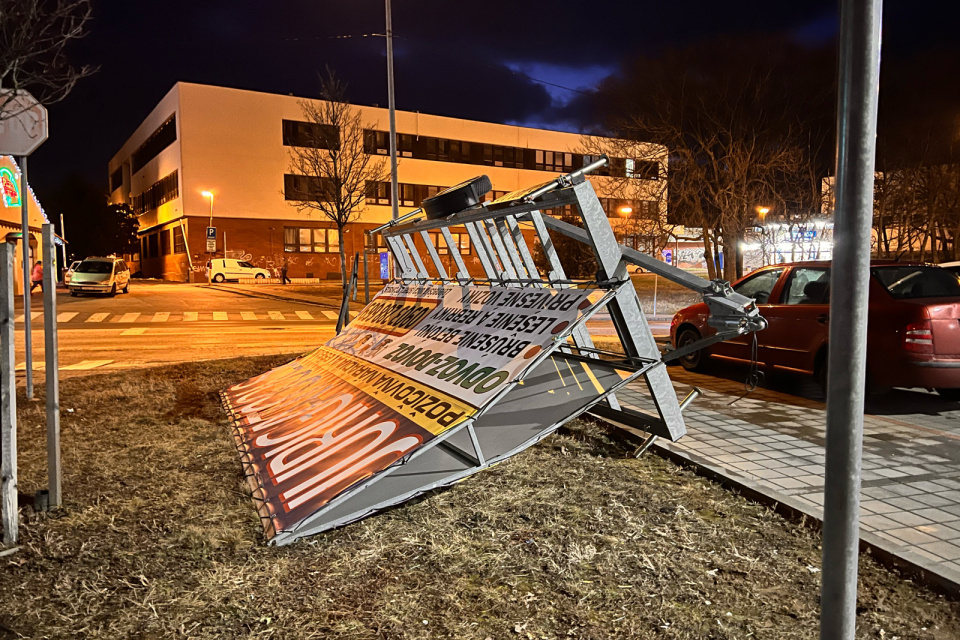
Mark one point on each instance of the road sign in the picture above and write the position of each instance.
(384, 265)
(211, 239)
(23, 123)
(668, 256)
(211, 233)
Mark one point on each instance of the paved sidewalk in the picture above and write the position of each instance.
(773, 443)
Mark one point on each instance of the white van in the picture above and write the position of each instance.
(221, 269)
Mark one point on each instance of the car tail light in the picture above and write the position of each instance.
(918, 337)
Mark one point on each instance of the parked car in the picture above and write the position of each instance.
(221, 269)
(69, 272)
(913, 331)
(100, 275)
(950, 266)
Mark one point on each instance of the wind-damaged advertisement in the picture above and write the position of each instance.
(418, 361)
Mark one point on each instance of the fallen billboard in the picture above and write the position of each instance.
(417, 364)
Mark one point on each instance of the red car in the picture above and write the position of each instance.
(913, 331)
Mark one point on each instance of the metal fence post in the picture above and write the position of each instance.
(859, 80)
(52, 372)
(25, 249)
(8, 400)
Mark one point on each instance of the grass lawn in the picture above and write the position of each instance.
(574, 538)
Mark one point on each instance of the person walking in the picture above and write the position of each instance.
(36, 276)
(283, 272)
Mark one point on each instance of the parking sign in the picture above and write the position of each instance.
(668, 256)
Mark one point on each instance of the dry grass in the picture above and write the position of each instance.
(572, 539)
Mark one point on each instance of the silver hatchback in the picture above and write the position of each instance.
(100, 275)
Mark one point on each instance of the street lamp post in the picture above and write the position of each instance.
(208, 194)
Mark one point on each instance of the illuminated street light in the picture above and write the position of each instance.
(208, 194)
(763, 211)
(625, 210)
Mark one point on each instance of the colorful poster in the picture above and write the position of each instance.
(418, 361)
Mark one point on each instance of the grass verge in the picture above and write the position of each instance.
(573, 538)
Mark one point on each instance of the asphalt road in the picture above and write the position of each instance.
(162, 323)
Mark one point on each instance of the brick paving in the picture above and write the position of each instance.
(773, 442)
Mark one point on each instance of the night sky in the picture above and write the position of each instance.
(497, 61)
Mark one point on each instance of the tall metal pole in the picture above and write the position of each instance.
(391, 104)
(51, 370)
(8, 400)
(859, 81)
(25, 249)
(63, 246)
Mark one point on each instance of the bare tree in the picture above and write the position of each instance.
(33, 37)
(734, 118)
(331, 161)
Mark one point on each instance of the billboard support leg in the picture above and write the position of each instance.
(8, 400)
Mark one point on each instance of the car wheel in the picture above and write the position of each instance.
(218, 278)
(949, 394)
(113, 290)
(692, 361)
(126, 289)
(259, 276)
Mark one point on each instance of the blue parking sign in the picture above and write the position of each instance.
(668, 256)
(384, 265)
(211, 233)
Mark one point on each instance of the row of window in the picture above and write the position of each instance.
(300, 188)
(163, 243)
(163, 137)
(492, 155)
(163, 190)
(310, 134)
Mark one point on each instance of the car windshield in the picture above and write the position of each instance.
(247, 265)
(94, 266)
(906, 282)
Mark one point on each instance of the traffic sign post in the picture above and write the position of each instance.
(23, 128)
(211, 239)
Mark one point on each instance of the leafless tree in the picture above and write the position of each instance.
(33, 37)
(331, 160)
(732, 117)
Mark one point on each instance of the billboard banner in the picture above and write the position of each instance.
(419, 360)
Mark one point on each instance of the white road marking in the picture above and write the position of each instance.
(219, 315)
(189, 316)
(66, 316)
(248, 315)
(275, 315)
(304, 315)
(129, 317)
(33, 316)
(161, 316)
(37, 366)
(86, 364)
(133, 332)
(98, 317)
(330, 315)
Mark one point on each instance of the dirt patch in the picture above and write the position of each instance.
(572, 539)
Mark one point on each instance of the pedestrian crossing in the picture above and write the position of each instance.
(160, 317)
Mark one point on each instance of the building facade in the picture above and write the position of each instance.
(234, 146)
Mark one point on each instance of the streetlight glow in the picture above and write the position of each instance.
(625, 210)
(209, 194)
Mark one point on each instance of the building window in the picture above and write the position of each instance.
(164, 242)
(378, 192)
(642, 169)
(460, 240)
(116, 179)
(179, 246)
(307, 240)
(300, 188)
(159, 140)
(310, 134)
(162, 191)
